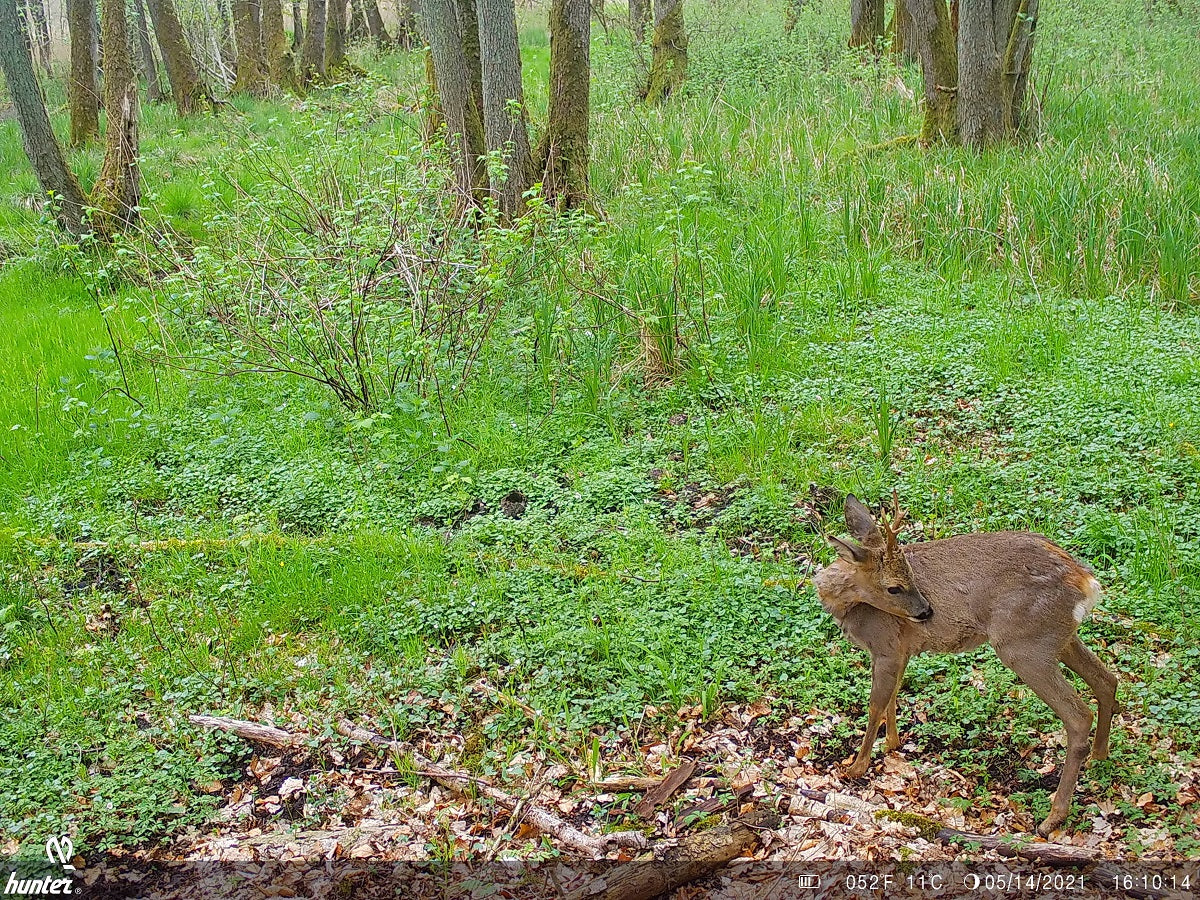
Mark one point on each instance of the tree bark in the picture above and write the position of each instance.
(904, 40)
(375, 23)
(225, 33)
(563, 154)
(251, 56)
(995, 44)
(866, 23)
(668, 52)
(639, 17)
(281, 68)
(335, 36)
(504, 105)
(439, 23)
(468, 27)
(83, 92)
(297, 27)
(117, 192)
(154, 90)
(187, 89)
(39, 31)
(41, 146)
(939, 69)
(312, 59)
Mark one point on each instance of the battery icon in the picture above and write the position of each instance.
(808, 881)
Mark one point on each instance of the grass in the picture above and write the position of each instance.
(1008, 339)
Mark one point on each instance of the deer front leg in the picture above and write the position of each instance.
(885, 682)
(893, 734)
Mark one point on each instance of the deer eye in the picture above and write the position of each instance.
(893, 589)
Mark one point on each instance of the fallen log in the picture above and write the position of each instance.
(254, 732)
(544, 820)
(694, 857)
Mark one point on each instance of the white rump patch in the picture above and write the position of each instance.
(1090, 598)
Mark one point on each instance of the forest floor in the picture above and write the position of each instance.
(574, 539)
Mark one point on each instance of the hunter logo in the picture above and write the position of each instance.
(59, 849)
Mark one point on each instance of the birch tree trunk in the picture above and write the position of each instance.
(41, 146)
(117, 192)
(439, 24)
(187, 89)
(83, 91)
(312, 59)
(866, 23)
(504, 104)
(564, 150)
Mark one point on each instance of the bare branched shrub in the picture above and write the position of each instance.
(357, 278)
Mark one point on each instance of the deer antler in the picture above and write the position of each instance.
(892, 528)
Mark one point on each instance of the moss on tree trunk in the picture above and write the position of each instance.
(117, 192)
(281, 68)
(563, 152)
(668, 53)
(335, 36)
(939, 69)
(251, 56)
(312, 58)
(83, 95)
(188, 91)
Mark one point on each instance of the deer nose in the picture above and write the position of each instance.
(925, 615)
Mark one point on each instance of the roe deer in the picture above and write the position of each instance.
(1016, 590)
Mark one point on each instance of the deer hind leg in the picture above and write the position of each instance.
(1046, 679)
(885, 681)
(1084, 663)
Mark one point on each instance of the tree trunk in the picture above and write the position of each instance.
(297, 27)
(154, 90)
(564, 150)
(904, 39)
(41, 146)
(866, 23)
(225, 45)
(312, 59)
(375, 23)
(117, 192)
(186, 87)
(504, 104)
(251, 56)
(939, 69)
(452, 79)
(639, 16)
(468, 27)
(39, 31)
(281, 69)
(83, 92)
(668, 52)
(335, 36)
(995, 44)
(791, 15)
(406, 27)
(356, 29)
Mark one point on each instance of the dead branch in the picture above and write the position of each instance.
(543, 819)
(695, 856)
(254, 732)
(661, 792)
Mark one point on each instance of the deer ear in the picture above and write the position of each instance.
(862, 526)
(847, 550)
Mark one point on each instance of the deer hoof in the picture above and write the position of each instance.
(1051, 824)
(855, 771)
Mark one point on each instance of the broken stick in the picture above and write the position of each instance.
(695, 856)
(543, 819)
